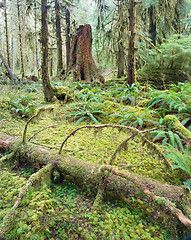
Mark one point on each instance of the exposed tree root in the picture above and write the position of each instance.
(43, 175)
(107, 181)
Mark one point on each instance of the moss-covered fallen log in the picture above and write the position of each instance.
(172, 200)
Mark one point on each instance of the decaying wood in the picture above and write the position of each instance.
(81, 60)
(115, 183)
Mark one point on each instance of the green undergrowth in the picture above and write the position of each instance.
(64, 212)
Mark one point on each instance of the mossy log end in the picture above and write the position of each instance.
(173, 122)
(171, 200)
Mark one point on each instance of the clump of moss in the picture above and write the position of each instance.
(173, 122)
(63, 93)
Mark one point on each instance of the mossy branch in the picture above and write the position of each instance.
(40, 111)
(134, 131)
(163, 202)
(173, 123)
(52, 126)
(38, 177)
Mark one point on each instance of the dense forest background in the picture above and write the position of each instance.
(95, 119)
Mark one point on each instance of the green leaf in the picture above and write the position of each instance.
(183, 122)
(171, 136)
(93, 118)
(80, 120)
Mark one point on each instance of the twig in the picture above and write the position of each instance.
(182, 136)
(51, 147)
(41, 131)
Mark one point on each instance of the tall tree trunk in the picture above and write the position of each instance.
(36, 40)
(7, 34)
(120, 42)
(20, 40)
(13, 53)
(48, 90)
(67, 14)
(132, 49)
(152, 25)
(81, 60)
(12, 77)
(59, 38)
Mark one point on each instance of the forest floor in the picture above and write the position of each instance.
(62, 210)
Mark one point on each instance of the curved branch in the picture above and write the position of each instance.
(135, 131)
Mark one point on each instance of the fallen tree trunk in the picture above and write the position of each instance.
(172, 200)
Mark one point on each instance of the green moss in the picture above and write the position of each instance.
(172, 122)
(63, 93)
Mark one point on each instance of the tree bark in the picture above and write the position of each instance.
(67, 31)
(59, 38)
(120, 42)
(81, 60)
(20, 41)
(132, 49)
(12, 77)
(152, 25)
(48, 90)
(116, 183)
(7, 34)
(36, 40)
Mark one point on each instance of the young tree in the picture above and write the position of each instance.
(20, 40)
(67, 32)
(121, 56)
(6, 33)
(48, 90)
(132, 49)
(58, 37)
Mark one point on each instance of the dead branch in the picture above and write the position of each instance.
(134, 131)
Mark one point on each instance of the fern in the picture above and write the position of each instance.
(182, 160)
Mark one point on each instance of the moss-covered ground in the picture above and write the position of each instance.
(63, 210)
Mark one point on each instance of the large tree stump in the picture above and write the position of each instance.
(81, 60)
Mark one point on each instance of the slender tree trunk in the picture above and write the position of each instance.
(59, 38)
(67, 13)
(132, 49)
(48, 90)
(51, 67)
(13, 53)
(152, 25)
(36, 40)
(120, 42)
(7, 34)
(20, 40)
(12, 77)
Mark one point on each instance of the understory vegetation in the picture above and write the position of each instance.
(62, 210)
